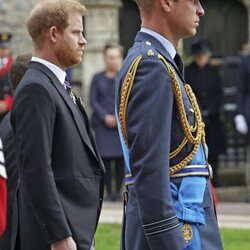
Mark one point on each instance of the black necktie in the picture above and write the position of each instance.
(178, 62)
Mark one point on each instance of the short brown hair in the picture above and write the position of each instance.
(48, 13)
(113, 45)
(145, 5)
(18, 69)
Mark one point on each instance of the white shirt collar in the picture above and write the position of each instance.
(167, 45)
(60, 74)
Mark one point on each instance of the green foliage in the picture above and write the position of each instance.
(108, 238)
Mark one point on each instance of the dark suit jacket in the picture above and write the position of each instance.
(243, 88)
(153, 130)
(60, 170)
(7, 240)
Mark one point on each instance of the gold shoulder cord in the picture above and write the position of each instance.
(193, 134)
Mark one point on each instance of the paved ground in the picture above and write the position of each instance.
(230, 215)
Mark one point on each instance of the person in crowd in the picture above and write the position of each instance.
(60, 171)
(206, 83)
(8, 239)
(242, 116)
(3, 192)
(102, 99)
(168, 203)
(5, 63)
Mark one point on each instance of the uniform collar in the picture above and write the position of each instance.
(165, 42)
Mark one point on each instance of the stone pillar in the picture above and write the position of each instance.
(101, 26)
(13, 15)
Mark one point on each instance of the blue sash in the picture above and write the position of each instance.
(188, 201)
(124, 147)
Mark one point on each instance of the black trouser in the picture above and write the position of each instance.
(119, 176)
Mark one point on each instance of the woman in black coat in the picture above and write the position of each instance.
(206, 84)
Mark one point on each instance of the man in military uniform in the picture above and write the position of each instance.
(5, 63)
(168, 202)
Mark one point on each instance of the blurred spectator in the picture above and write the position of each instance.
(102, 99)
(242, 118)
(207, 86)
(5, 63)
(16, 72)
(3, 192)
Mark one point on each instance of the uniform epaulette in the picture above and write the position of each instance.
(149, 51)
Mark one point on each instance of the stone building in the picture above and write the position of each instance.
(225, 25)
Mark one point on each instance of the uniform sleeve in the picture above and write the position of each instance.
(148, 126)
(32, 119)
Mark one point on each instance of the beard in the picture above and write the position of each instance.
(66, 55)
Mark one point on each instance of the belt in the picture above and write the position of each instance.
(190, 170)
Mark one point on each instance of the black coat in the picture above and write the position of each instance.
(60, 170)
(243, 88)
(7, 240)
(207, 86)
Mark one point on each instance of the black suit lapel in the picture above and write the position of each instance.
(72, 106)
(80, 105)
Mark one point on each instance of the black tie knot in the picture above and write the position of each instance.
(178, 62)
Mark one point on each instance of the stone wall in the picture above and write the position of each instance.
(101, 25)
(13, 14)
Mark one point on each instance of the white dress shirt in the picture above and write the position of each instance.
(60, 74)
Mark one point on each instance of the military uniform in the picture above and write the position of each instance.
(5, 63)
(169, 202)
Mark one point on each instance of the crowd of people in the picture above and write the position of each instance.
(154, 130)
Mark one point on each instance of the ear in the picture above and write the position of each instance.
(166, 5)
(53, 34)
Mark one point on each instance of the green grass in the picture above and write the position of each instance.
(236, 239)
(108, 238)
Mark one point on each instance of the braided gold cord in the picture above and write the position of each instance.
(193, 134)
(178, 150)
(198, 129)
(125, 93)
